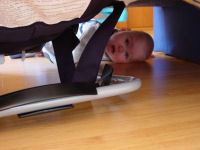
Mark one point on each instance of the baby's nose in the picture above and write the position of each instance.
(120, 48)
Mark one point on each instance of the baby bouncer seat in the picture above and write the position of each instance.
(78, 84)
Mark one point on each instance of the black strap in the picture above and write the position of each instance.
(90, 60)
(63, 46)
(106, 76)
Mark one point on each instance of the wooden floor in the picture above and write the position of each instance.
(164, 114)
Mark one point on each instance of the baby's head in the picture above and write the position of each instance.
(129, 46)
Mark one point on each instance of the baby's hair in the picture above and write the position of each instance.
(148, 40)
(150, 43)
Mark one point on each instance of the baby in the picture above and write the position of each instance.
(129, 46)
(124, 46)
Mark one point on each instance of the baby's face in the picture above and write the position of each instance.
(126, 46)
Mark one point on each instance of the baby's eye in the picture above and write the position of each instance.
(126, 41)
(126, 55)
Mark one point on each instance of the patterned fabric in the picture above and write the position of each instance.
(15, 13)
(194, 2)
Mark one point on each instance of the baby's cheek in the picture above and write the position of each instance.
(119, 59)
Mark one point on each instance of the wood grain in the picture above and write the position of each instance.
(138, 18)
(163, 114)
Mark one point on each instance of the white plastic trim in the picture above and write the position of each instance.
(2, 59)
(128, 84)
